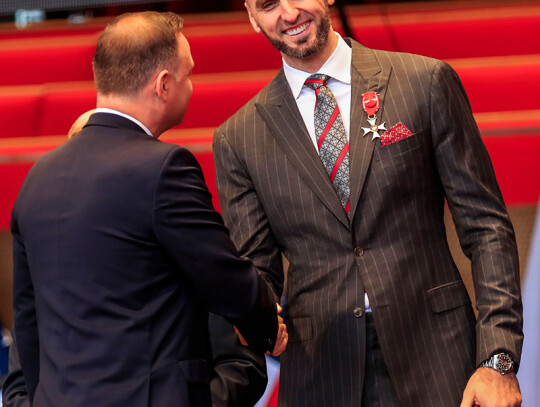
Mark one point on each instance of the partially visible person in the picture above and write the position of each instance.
(79, 123)
(14, 393)
(239, 374)
(118, 252)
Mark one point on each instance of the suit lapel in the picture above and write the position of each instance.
(281, 114)
(366, 75)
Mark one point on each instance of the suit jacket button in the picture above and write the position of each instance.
(358, 251)
(358, 312)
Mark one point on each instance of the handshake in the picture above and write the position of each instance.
(282, 337)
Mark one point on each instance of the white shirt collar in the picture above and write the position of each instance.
(127, 116)
(338, 66)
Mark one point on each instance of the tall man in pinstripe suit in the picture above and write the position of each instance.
(386, 251)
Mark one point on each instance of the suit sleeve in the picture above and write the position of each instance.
(193, 234)
(24, 310)
(14, 392)
(239, 373)
(244, 213)
(484, 229)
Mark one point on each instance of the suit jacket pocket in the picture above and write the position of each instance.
(300, 329)
(399, 148)
(195, 370)
(448, 296)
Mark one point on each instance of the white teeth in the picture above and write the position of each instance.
(297, 30)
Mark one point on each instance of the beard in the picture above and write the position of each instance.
(302, 48)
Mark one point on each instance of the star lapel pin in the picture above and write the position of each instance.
(374, 128)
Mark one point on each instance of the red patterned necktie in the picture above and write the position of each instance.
(331, 137)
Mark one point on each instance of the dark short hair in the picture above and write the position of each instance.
(129, 53)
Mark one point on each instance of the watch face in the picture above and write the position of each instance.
(503, 363)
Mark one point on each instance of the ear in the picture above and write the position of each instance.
(161, 85)
(251, 19)
(330, 2)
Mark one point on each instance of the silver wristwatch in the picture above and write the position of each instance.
(501, 362)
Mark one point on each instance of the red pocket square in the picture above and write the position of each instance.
(396, 133)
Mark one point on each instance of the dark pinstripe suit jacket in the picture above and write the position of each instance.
(276, 198)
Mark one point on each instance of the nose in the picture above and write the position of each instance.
(289, 12)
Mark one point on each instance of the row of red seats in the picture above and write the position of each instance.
(514, 151)
(397, 16)
(236, 47)
(93, 25)
(17, 155)
(493, 84)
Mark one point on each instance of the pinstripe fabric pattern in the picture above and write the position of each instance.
(276, 198)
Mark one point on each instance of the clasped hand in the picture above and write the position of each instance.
(281, 340)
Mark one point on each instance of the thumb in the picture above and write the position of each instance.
(468, 399)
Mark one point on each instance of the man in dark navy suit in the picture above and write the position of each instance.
(118, 252)
(238, 376)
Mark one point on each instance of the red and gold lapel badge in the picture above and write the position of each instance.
(371, 104)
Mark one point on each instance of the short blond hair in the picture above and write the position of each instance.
(78, 124)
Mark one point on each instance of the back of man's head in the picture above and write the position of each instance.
(132, 48)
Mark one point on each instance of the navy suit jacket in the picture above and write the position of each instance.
(118, 257)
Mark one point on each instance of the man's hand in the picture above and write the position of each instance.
(282, 337)
(281, 340)
(489, 388)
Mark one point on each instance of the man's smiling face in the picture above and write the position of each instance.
(296, 28)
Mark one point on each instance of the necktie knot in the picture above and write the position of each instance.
(316, 80)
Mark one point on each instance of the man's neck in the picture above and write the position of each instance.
(131, 107)
(314, 62)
